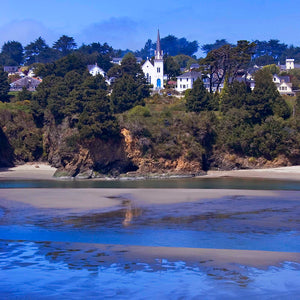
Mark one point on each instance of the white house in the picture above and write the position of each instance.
(154, 73)
(95, 70)
(283, 84)
(186, 80)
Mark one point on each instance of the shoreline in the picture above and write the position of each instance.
(43, 171)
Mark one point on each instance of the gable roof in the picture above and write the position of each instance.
(28, 82)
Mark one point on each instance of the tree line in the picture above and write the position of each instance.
(13, 53)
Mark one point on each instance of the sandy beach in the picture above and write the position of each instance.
(285, 173)
(45, 171)
(28, 171)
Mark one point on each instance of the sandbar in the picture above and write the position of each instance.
(154, 256)
(90, 199)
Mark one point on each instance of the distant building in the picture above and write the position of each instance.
(11, 69)
(186, 80)
(289, 65)
(154, 73)
(194, 66)
(95, 70)
(117, 60)
(28, 82)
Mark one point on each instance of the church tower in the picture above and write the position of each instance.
(158, 66)
(154, 73)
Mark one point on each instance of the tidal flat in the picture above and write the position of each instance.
(143, 243)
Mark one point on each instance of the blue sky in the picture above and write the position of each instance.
(128, 24)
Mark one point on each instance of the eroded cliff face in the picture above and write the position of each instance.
(149, 164)
(83, 158)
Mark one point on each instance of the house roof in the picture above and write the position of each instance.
(285, 78)
(194, 66)
(25, 81)
(191, 74)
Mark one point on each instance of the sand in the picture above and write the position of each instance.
(154, 256)
(45, 171)
(91, 199)
(28, 171)
(286, 173)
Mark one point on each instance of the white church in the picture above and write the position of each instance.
(154, 73)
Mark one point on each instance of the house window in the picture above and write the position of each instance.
(180, 79)
(158, 70)
(184, 86)
(181, 86)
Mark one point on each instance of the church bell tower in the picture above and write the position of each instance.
(158, 65)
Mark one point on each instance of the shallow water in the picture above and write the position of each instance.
(189, 183)
(52, 253)
(48, 277)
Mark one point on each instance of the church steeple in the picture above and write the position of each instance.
(158, 52)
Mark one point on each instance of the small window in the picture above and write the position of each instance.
(184, 86)
(180, 79)
(158, 70)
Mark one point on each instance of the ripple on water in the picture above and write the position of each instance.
(26, 272)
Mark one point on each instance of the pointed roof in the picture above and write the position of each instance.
(158, 48)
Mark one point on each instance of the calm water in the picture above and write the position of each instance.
(189, 183)
(50, 254)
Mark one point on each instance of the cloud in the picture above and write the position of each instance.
(26, 31)
(120, 33)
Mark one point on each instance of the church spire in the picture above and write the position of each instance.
(158, 52)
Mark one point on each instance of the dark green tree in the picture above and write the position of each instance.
(97, 120)
(65, 45)
(171, 67)
(265, 99)
(216, 45)
(198, 98)
(127, 93)
(12, 53)
(172, 46)
(39, 52)
(4, 86)
(24, 94)
(234, 96)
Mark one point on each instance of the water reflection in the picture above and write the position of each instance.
(76, 272)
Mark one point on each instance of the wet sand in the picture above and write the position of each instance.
(221, 258)
(89, 199)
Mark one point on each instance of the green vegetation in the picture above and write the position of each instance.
(73, 116)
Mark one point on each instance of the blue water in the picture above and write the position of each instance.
(26, 273)
(281, 241)
(49, 254)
